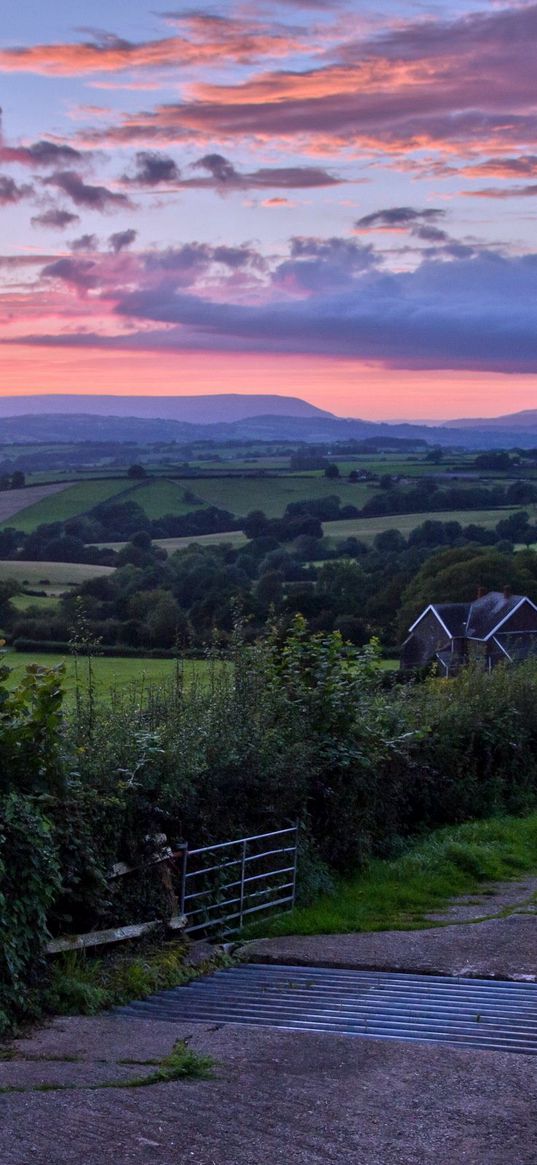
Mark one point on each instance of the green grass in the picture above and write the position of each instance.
(229, 537)
(115, 672)
(182, 1063)
(17, 501)
(45, 604)
(367, 528)
(398, 894)
(253, 462)
(273, 494)
(68, 503)
(162, 496)
(59, 575)
(84, 984)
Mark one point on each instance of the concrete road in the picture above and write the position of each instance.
(277, 1098)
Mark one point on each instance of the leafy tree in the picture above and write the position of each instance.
(515, 527)
(256, 524)
(331, 471)
(269, 590)
(493, 459)
(344, 584)
(389, 542)
(164, 622)
(136, 472)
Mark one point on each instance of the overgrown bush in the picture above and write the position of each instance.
(295, 727)
(29, 879)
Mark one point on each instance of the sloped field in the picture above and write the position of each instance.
(65, 501)
(15, 501)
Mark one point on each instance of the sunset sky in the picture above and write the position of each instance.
(332, 200)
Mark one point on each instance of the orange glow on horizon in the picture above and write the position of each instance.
(349, 388)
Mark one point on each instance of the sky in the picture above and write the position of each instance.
(329, 200)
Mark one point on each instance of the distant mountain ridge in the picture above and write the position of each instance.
(207, 409)
(527, 419)
(243, 417)
(75, 427)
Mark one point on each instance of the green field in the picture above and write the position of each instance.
(273, 494)
(228, 463)
(363, 528)
(45, 604)
(52, 577)
(228, 537)
(68, 503)
(116, 672)
(161, 496)
(367, 528)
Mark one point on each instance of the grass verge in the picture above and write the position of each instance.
(84, 985)
(398, 894)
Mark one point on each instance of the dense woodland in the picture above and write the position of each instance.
(182, 601)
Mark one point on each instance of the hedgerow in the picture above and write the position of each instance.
(299, 727)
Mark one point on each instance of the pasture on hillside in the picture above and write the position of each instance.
(160, 495)
(366, 528)
(229, 538)
(45, 604)
(15, 501)
(68, 502)
(52, 577)
(240, 495)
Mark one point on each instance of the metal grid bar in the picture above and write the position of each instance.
(458, 1011)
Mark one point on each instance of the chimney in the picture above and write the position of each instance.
(481, 591)
(507, 592)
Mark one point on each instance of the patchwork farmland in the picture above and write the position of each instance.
(51, 577)
(18, 501)
(58, 503)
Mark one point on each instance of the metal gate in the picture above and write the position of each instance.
(221, 885)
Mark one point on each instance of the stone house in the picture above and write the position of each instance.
(497, 627)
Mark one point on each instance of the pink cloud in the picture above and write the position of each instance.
(205, 39)
(458, 86)
(276, 202)
(501, 192)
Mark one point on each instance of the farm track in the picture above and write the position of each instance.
(310, 1097)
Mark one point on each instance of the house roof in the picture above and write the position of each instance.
(454, 617)
(477, 620)
(488, 612)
